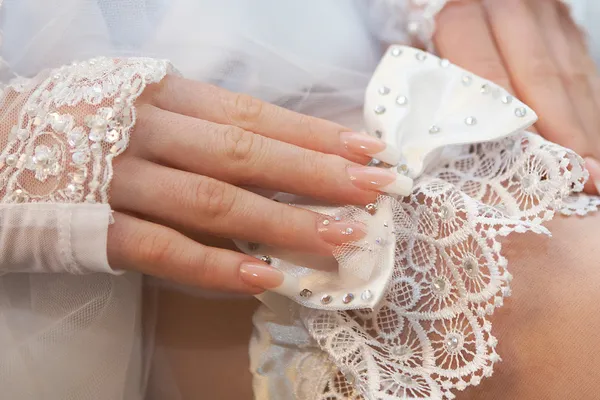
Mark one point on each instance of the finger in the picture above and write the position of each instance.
(570, 60)
(138, 245)
(464, 37)
(534, 75)
(198, 203)
(218, 105)
(240, 157)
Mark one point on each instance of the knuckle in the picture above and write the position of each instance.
(576, 80)
(541, 70)
(153, 248)
(243, 110)
(213, 198)
(205, 269)
(241, 145)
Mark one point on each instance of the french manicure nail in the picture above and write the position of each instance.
(360, 143)
(261, 275)
(593, 167)
(338, 233)
(383, 180)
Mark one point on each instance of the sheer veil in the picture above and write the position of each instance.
(319, 62)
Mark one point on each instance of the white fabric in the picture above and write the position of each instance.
(79, 337)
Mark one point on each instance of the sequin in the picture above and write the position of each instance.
(384, 90)
(420, 56)
(306, 293)
(507, 99)
(366, 295)
(467, 80)
(444, 63)
(396, 52)
(326, 299)
(379, 109)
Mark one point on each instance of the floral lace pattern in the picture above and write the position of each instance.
(72, 123)
(431, 334)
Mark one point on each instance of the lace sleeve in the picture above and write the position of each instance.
(59, 133)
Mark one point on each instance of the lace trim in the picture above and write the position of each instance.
(75, 120)
(431, 335)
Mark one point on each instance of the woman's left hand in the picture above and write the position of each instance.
(535, 50)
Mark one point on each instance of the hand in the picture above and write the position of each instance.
(535, 50)
(194, 145)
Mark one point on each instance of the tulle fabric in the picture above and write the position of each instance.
(82, 337)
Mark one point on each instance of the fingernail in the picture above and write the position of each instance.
(337, 233)
(261, 275)
(383, 180)
(593, 167)
(360, 143)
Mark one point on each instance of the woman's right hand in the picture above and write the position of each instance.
(193, 148)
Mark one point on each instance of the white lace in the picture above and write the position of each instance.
(67, 126)
(432, 334)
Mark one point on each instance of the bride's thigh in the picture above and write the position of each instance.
(202, 347)
(549, 330)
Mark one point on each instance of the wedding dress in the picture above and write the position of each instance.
(405, 316)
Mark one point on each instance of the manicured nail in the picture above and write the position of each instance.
(337, 232)
(383, 180)
(593, 167)
(360, 143)
(261, 275)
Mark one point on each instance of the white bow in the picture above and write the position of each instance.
(420, 104)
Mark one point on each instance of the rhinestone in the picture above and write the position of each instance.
(305, 293)
(420, 56)
(384, 90)
(467, 80)
(404, 379)
(326, 222)
(11, 159)
(18, 196)
(396, 52)
(446, 212)
(470, 121)
(402, 168)
(452, 342)
(338, 218)
(371, 208)
(349, 378)
(253, 246)
(485, 88)
(434, 129)
(439, 284)
(402, 100)
(400, 351)
(385, 225)
(444, 63)
(507, 99)
(379, 134)
(348, 297)
(79, 157)
(470, 266)
(266, 259)
(326, 299)
(520, 112)
(379, 241)
(348, 231)
(379, 109)
(366, 295)
(413, 27)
